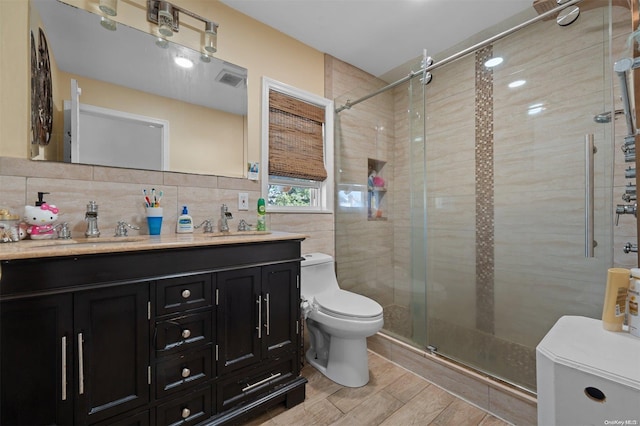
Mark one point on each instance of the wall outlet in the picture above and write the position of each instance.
(243, 201)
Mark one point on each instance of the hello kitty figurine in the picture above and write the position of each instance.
(40, 221)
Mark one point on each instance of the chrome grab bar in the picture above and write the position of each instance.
(589, 151)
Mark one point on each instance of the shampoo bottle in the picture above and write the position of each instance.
(185, 222)
(261, 226)
(615, 298)
(633, 317)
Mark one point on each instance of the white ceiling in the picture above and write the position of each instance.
(380, 35)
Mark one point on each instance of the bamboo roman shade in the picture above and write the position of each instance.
(296, 140)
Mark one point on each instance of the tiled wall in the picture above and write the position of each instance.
(118, 193)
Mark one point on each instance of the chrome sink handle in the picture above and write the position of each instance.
(244, 226)
(208, 226)
(63, 230)
(121, 228)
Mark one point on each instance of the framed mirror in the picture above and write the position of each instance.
(118, 97)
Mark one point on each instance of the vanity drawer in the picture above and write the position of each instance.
(189, 409)
(234, 391)
(177, 334)
(183, 371)
(183, 294)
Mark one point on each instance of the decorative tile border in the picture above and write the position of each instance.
(485, 261)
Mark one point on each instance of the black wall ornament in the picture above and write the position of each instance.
(41, 91)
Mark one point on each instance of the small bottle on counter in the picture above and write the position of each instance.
(261, 225)
(185, 222)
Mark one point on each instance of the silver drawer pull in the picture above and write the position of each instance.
(80, 364)
(186, 413)
(186, 333)
(186, 372)
(64, 368)
(186, 294)
(273, 376)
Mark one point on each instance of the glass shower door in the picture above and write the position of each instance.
(505, 194)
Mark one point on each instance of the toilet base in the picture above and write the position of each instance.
(345, 364)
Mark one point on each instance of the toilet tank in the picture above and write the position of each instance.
(587, 375)
(317, 274)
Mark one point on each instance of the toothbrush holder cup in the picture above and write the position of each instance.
(154, 220)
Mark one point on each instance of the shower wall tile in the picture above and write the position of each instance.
(14, 194)
(519, 308)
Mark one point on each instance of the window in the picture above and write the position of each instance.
(297, 149)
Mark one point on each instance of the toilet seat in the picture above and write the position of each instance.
(345, 304)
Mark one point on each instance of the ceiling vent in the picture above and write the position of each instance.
(230, 78)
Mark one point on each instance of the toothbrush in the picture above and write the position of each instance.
(146, 198)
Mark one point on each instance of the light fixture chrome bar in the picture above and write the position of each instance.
(589, 151)
(152, 15)
(459, 55)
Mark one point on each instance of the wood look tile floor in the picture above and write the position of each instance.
(393, 397)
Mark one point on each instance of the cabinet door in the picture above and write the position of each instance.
(238, 319)
(35, 361)
(281, 297)
(112, 358)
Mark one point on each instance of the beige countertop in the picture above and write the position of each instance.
(28, 249)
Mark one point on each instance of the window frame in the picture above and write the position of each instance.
(326, 188)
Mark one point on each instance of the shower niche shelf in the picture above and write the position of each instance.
(376, 189)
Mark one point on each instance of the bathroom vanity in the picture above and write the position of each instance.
(145, 331)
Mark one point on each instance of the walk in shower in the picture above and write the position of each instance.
(461, 202)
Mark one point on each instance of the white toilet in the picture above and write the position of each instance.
(338, 322)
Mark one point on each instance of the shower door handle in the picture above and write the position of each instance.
(589, 151)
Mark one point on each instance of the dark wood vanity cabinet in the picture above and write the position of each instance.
(258, 330)
(210, 336)
(74, 358)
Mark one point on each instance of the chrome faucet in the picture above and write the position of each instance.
(91, 216)
(225, 215)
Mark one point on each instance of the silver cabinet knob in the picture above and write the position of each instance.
(186, 333)
(186, 294)
(186, 372)
(186, 413)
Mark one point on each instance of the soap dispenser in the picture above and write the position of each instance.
(185, 222)
(40, 218)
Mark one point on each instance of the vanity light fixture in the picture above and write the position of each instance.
(210, 37)
(167, 16)
(109, 7)
(165, 19)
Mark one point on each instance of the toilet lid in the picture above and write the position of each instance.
(349, 304)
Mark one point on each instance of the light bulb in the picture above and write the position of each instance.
(109, 7)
